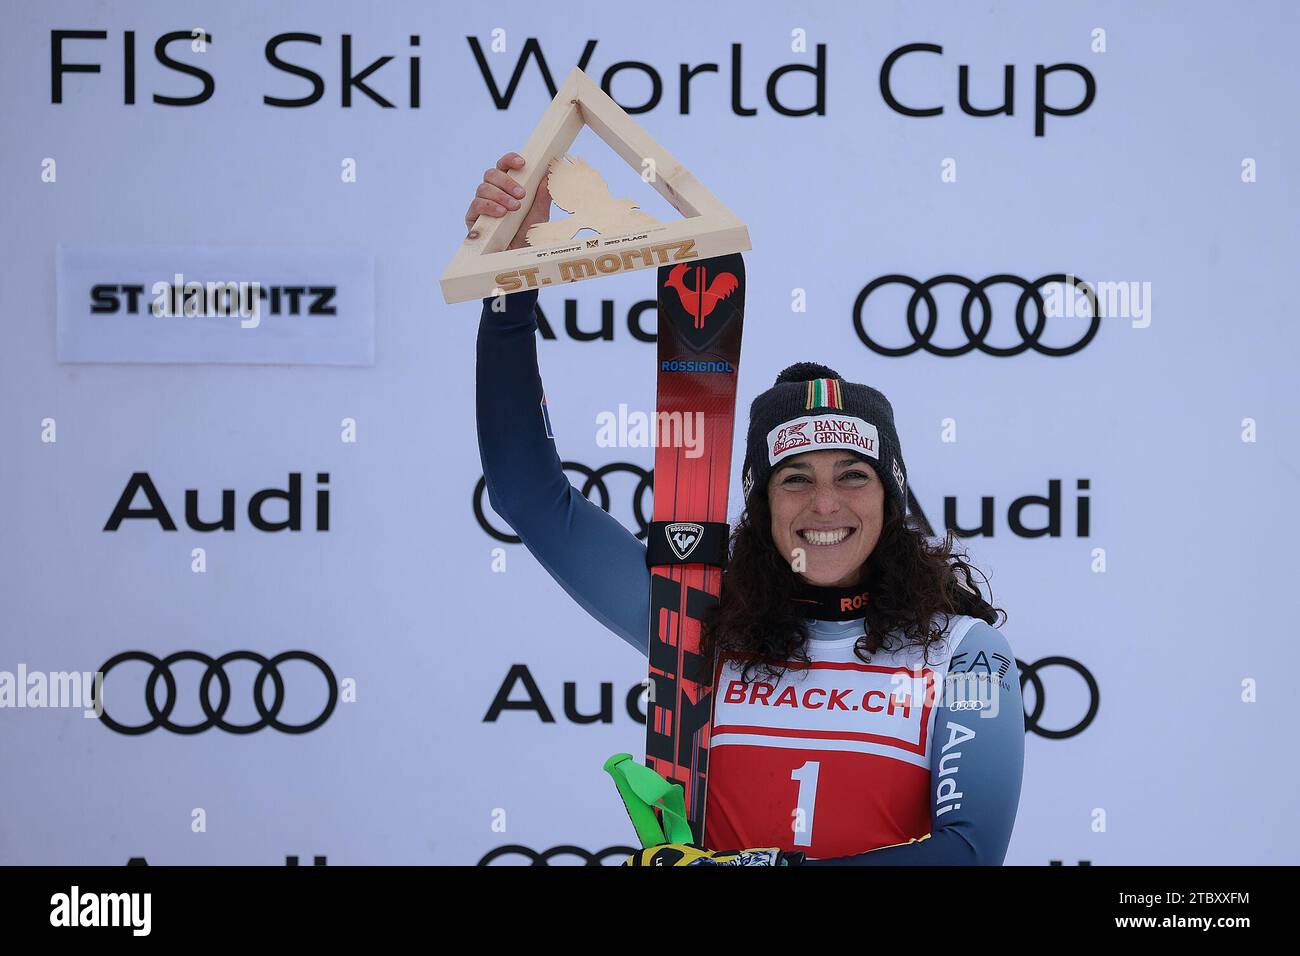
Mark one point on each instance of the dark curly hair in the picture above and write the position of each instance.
(911, 580)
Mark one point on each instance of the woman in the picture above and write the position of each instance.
(841, 632)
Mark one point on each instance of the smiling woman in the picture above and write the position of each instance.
(830, 595)
(836, 733)
(827, 511)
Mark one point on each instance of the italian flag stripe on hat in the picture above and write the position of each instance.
(824, 393)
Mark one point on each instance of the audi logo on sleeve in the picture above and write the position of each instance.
(971, 325)
(309, 690)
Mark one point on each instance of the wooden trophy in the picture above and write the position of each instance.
(627, 239)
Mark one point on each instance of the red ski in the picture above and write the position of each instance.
(701, 312)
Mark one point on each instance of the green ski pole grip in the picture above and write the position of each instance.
(642, 791)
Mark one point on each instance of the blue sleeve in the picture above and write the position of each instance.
(977, 759)
(594, 558)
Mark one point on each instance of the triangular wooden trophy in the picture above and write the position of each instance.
(627, 239)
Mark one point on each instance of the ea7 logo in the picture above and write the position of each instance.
(683, 537)
(898, 477)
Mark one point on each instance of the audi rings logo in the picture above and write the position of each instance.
(1032, 674)
(533, 858)
(215, 670)
(977, 331)
(593, 480)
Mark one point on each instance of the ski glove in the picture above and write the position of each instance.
(689, 854)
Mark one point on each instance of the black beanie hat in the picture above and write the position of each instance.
(811, 408)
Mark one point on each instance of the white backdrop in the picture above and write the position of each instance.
(1188, 758)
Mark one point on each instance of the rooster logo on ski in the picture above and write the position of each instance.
(708, 289)
(683, 536)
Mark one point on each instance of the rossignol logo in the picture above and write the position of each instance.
(702, 303)
(695, 365)
(705, 292)
(683, 537)
(817, 432)
(855, 603)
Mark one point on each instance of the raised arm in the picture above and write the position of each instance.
(975, 770)
(594, 558)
